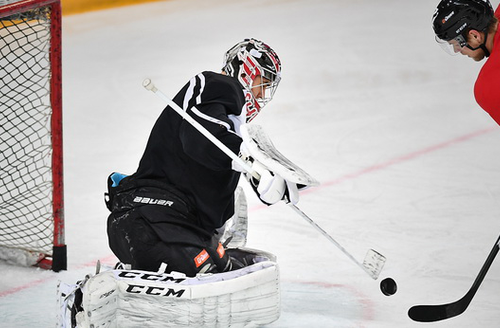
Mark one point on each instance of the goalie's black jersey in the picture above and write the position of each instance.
(177, 154)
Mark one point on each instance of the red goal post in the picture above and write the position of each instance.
(31, 161)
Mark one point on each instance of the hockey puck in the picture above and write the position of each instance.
(388, 287)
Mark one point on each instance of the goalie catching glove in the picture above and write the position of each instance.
(278, 177)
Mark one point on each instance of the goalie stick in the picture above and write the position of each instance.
(373, 262)
(431, 313)
(262, 148)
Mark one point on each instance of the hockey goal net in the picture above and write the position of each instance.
(31, 180)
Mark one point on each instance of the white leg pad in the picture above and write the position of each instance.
(248, 297)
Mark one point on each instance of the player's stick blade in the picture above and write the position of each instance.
(432, 313)
(374, 263)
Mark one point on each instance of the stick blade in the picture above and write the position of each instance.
(432, 313)
(374, 263)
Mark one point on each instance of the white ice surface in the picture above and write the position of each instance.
(369, 105)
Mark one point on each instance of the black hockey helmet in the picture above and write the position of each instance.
(455, 17)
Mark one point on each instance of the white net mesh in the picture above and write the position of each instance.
(25, 135)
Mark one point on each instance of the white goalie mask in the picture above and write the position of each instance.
(248, 60)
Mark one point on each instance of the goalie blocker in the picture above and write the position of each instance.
(247, 297)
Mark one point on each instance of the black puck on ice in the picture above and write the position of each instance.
(388, 286)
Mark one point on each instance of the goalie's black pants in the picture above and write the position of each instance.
(146, 234)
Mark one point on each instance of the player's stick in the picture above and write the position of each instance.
(431, 313)
(148, 84)
(373, 262)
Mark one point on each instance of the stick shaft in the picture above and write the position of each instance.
(327, 235)
(149, 86)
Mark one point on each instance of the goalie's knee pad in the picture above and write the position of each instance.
(246, 297)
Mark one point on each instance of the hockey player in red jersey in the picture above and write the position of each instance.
(470, 27)
(168, 211)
